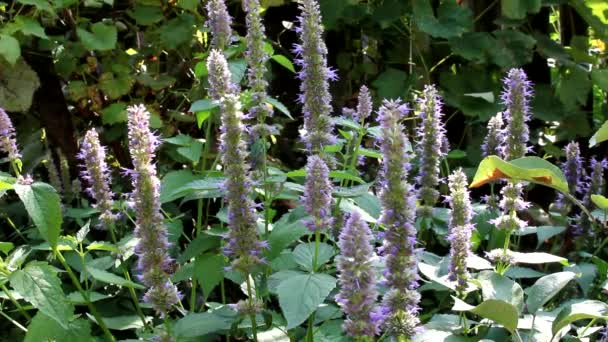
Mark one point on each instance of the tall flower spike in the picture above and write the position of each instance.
(493, 143)
(400, 303)
(256, 60)
(595, 181)
(431, 133)
(510, 204)
(574, 172)
(461, 214)
(314, 75)
(364, 107)
(220, 82)
(8, 142)
(219, 23)
(317, 194)
(154, 263)
(95, 172)
(516, 98)
(357, 279)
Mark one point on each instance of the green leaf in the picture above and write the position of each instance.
(278, 105)
(237, 67)
(304, 255)
(115, 86)
(300, 295)
(392, 83)
(574, 87)
(512, 48)
(177, 31)
(474, 46)
(114, 113)
(198, 188)
(9, 48)
(517, 272)
(600, 29)
(517, 9)
(587, 309)
(111, 278)
(30, 27)
(536, 258)
(77, 298)
(452, 20)
(191, 152)
(45, 328)
(201, 117)
(545, 288)
(19, 82)
(198, 246)
(102, 37)
(6, 247)
(496, 286)
(209, 271)
(42, 5)
(530, 169)
(283, 234)
(38, 284)
(201, 324)
(496, 310)
(600, 201)
(146, 15)
(599, 136)
(122, 322)
(44, 207)
(284, 61)
(173, 181)
(203, 105)
(600, 77)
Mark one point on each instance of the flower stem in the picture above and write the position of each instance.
(254, 325)
(15, 302)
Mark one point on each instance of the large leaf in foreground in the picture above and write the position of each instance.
(588, 309)
(545, 288)
(299, 296)
(45, 328)
(600, 135)
(44, 207)
(529, 169)
(496, 310)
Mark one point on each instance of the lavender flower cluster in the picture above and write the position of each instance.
(8, 142)
(219, 23)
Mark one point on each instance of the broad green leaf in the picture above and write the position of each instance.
(237, 68)
(114, 113)
(352, 191)
(587, 309)
(599, 136)
(38, 284)
(278, 105)
(600, 77)
(284, 61)
(146, 15)
(530, 169)
(512, 48)
(283, 234)
(333, 174)
(115, 86)
(111, 278)
(600, 201)
(392, 83)
(574, 87)
(172, 181)
(199, 188)
(600, 29)
(496, 310)
(304, 255)
(536, 258)
(517, 272)
(103, 246)
(201, 324)
(6, 247)
(191, 152)
(44, 207)
(300, 295)
(42, 5)
(9, 48)
(201, 244)
(122, 322)
(45, 328)
(177, 31)
(586, 274)
(102, 37)
(452, 20)
(203, 105)
(545, 288)
(496, 286)
(30, 27)
(77, 299)
(209, 271)
(518, 9)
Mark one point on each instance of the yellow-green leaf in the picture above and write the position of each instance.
(600, 201)
(600, 135)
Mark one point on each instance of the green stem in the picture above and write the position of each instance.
(84, 294)
(254, 324)
(16, 303)
(316, 256)
(600, 247)
(24, 329)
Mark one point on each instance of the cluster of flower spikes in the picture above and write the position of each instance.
(574, 172)
(494, 141)
(430, 149)
(311, 56)
(154, 263)
(357, 296)
(400, 303)
(95, 171)
(516, 98)
(461, 228)
(243, 246)
(219, 22)
(8, 142)
(594, 184)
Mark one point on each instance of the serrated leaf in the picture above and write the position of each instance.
(177, 31)
(498, 311)
(19, 82)
(301, 295)
(496, 286)
(587, 309)
(44, 207)
(209, 271)
(30, 27)
(304, 255)
(545, 288)
(530, 169)
(38, 284)
(115, 86)
(45, 328)
(284, 61)
(111, 278)
(283, 234)
(278, 105)
(452, 20)
(114, 113)
(102, 37)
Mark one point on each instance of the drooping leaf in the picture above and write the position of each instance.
(300, 295)
(203, 105)
(111, 278)
(530, 169)
(209, 271)
(38, 284)
(545, 288)
(44, 207)
(587, 309)
(201, 324)
(600, 201)
(284, 61)
(496, 310)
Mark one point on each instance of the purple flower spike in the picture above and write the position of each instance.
(317, 194)
(430, 150)
(493, 143)
(574, 172)
(243, 245)
(314, 74)
(400, 303)
(8, 142)
(220, 81)
(154, 262)
(510, 204)
(461, 214)
(357, 280)
(516, 98)
(594, 184)
(95, 172)
(256, 60)
(364, 107)
(219, 24)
